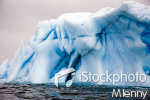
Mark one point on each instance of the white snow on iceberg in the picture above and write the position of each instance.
(108, 40)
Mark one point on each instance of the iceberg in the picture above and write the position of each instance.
(112, 39)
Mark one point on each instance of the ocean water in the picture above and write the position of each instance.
(25, 91)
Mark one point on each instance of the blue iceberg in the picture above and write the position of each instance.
(112, 39)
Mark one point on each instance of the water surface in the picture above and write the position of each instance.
(18, 91)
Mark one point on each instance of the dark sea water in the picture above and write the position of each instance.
(18, 91)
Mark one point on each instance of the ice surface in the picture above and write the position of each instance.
(110, 39)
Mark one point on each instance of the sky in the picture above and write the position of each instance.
(19, 18)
